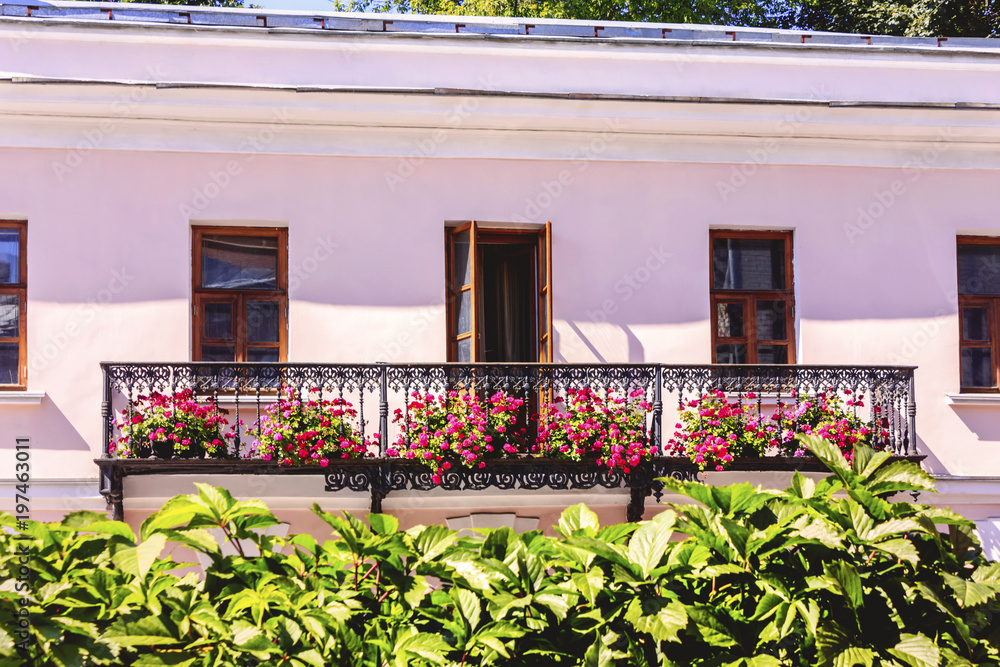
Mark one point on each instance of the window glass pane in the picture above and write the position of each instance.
(218, 353)
(462, 274)
(731, 354)
(9, 312)
(464, 312)
(975, 325)
(977, 367)
(771, 322)
(979, 269)
(464, 350)
(10, 255)
(748, 264)
(730, 316)
(239, 262)
(8, 363)
(772, 354)
(218, 320)
(263, 354)
(262, 321)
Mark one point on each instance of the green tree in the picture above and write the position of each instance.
(913, 18)
(195, 3)
(910, 18)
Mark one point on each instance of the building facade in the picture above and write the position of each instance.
(182, 184)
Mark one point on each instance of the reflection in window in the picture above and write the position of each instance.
(240, 291)
(752, 297)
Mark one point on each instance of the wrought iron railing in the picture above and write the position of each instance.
(377, 391)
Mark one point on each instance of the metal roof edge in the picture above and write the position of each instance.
(123, 15)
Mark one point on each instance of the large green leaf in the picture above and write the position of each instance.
(660, 618)
(848, 581)
(732, 500)
(468, 605)
(917, 650)
(648, 544)
(181, 659)
(428, 646)
(577, 517)
(144, 631)
(383, 524)
(853, 656)
(825, 451)
(900, 476)
(867, 460)
(432, 541)
(137, 560)
(902, 549)
(803, 487)
(989, 573)
(969, 593)
(589, 583)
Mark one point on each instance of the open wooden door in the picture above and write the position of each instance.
(545, 294)
(463, 297)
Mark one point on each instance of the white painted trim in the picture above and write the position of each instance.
(363, 124)
(972, 399)
(21, 397)
(67, 495)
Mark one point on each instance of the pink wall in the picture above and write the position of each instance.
(875, 199)
(863, 297)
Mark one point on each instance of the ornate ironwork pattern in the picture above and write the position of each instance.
(377, 390)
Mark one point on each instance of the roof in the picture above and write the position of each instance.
(290, 22)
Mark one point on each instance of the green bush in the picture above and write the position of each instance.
(826, 573)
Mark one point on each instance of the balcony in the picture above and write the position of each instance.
(878, 400)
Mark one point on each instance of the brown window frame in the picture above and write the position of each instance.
(542, 316)
(202, 295)
(749, 298)
(19, 289)
(992, 305)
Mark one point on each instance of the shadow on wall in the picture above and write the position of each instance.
(989, 534)
(45, 424)
(635, 349)
(982, 422)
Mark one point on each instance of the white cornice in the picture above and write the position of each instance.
(395, 124)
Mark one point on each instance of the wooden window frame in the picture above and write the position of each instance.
(992, 305)
(239, 297)
(750, 298)
(542, 315)
(19, 289)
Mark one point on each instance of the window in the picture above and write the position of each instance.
(13, 305)
(240, 294)
(500, 295)
(753, 304)
(979, 310)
